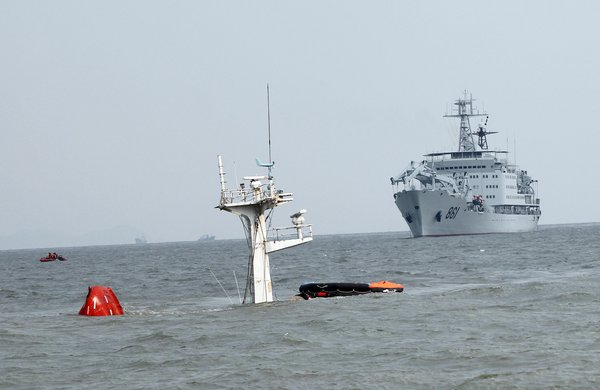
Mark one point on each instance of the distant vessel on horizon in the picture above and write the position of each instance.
(473, 190)
(206, 237)
(141, 240)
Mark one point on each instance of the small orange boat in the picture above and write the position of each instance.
(52, 257)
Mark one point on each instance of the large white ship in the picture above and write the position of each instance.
(473, 190)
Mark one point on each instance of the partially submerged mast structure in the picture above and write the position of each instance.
(250, 204)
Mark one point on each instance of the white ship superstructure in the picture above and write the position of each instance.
(472, 190)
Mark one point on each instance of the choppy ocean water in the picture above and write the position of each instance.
(489, 311)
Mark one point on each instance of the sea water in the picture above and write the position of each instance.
(487, 311)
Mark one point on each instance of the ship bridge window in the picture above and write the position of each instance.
(466, 155)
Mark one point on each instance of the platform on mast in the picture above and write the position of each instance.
(250, 202)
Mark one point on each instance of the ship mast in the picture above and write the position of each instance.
(270, 163)
(253, 205)
(464, 111)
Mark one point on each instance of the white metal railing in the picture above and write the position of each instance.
(290, 232)
(245, 195)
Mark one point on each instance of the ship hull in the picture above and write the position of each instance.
(437, 213)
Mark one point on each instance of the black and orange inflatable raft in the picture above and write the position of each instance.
(327, 290)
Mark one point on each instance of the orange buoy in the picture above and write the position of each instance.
(101, 301)
(385, 286)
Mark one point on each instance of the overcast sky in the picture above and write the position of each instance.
(113, 113)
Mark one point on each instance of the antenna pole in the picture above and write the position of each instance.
(269, 121)
(221, 175)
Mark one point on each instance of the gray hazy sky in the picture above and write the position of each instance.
(113, 113)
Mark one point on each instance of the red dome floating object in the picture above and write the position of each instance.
(101, 301)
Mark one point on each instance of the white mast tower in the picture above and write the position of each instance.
(465, 110)
(251, 204)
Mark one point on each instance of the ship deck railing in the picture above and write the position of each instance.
(250, 196)
(517, 209)
(290, 232)
(488, 155)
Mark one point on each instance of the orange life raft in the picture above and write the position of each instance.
(326, 290)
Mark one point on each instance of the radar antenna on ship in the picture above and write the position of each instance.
(271, 163)
(482, 133)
